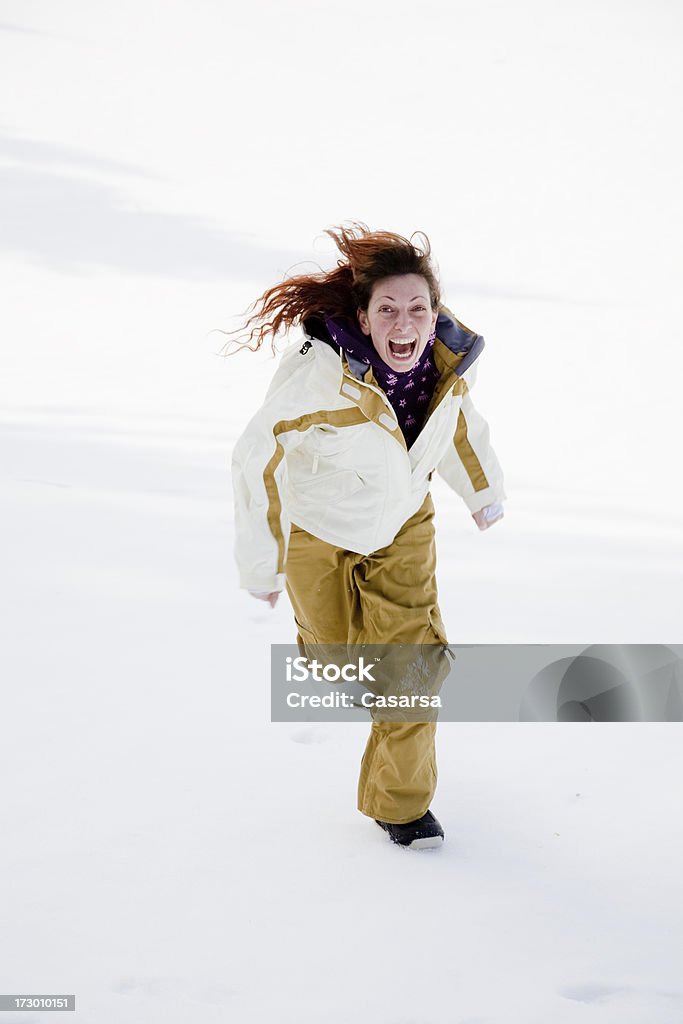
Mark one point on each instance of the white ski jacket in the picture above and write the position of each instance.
(325, 451)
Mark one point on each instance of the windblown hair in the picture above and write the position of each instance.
(369, 257)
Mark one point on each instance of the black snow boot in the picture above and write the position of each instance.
(417, 835)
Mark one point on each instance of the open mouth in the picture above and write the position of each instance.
(403, 349)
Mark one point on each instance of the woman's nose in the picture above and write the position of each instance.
(402, 323)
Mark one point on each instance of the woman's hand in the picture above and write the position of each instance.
(488, 515)
(270, 598)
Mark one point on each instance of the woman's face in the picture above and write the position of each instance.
(399, 319)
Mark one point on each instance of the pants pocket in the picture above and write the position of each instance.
(437, 626)
(305, 635)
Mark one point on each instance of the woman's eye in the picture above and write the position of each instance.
(416, 309)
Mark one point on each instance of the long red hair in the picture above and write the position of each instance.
(369, 256)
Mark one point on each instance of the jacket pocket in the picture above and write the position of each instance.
(327, 485)
(330, 441)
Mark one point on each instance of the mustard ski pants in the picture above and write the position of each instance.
(388, 597)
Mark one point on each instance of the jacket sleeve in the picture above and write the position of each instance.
(470, 466)
(259, 476)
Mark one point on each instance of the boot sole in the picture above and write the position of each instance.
(426, 843)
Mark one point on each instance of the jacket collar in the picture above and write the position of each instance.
(460, 340)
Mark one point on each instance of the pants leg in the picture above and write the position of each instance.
(389, 596)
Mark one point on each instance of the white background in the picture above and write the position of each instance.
(168, 853)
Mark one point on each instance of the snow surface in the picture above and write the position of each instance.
(168, 854)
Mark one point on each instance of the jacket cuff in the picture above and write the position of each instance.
(479, 500)
(262, 584)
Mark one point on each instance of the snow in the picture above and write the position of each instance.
(168, 853)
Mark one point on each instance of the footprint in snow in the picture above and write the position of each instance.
(309, 734)
(588, 992)
(174, 988)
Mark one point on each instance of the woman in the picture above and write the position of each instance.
(331, 478)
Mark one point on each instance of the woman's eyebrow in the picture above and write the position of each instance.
(394, 300)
